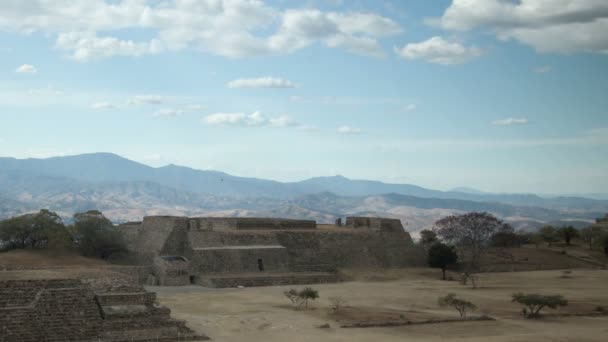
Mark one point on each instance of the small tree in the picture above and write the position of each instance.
(299, 298)
(459, 304)
(427, 237)
(337, 303)
(441, 256)
(308, 294)
(568, 233)
(589, 235)
(534, 303)
(549, 234)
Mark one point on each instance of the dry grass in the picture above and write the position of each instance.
(263, 313)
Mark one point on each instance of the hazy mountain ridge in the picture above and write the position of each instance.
(127, 190)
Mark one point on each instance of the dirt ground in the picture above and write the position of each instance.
(264, 314)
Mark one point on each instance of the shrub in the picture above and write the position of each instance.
(96, 235)
(299, 298)
(534, 303)
(337, 303)
(461, 305)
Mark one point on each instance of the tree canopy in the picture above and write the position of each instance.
(441, 256)
(470, 232)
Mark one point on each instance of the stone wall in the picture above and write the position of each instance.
(377, 223)
(236, 259)
(62, 310)
(171, 271)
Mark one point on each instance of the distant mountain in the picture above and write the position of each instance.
(127, 190)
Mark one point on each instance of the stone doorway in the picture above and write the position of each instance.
(260, 265)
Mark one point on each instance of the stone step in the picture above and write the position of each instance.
(267, 279)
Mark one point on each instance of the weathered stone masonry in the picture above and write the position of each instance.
(61, 310)
(223, 248)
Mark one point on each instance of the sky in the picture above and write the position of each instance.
(497, 95)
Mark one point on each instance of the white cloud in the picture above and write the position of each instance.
(232, 28)
(145, 99)
(255, 119)
(562, 26)
(84, 46)
(409, 107)
(26, 69)
(348, 130)
(102, 105)
(440, 51)
(167, 113)
(510, 122)
(261, 82)
(296, 98)
(543, 69)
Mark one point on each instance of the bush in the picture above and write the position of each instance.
(43, 229)
(461, 305)
(534, 303)
(337, 303)
(299, 298)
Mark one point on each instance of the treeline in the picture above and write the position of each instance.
(92, 234)
(461, 240)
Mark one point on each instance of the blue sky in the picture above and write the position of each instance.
(503, 96)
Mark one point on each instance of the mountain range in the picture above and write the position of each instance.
(127, 190)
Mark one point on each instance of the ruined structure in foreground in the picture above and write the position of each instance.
(35, 310)
(227, 252)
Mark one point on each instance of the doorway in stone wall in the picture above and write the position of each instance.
(260, 265)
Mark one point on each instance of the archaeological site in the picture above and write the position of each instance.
(109, 303)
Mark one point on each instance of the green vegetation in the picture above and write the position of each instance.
(461, 305)
(441, 256)
(97, 236)
(534, 303)
(301, 298)
(92, 233)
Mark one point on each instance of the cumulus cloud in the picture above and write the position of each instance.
(261, 82)
(255, 119)
(102, 106)
(84, 46)
(439, 51)
(167, 113)
(510, 122)
(229, 28)
(26, 69)
(145, 99)
(559, 26)
(348, 130)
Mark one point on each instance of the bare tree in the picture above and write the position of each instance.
(471, 233)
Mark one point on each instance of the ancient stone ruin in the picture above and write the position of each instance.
(226, 252)
(36, 310)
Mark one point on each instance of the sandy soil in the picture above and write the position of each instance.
(264, 314)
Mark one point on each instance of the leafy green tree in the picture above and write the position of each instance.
(457, 303)
(549, 234)
(568, 233)
(534, 303)
(427, 237)
(96, 235)
(299, 298)
(38, 230)
(441, 256)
